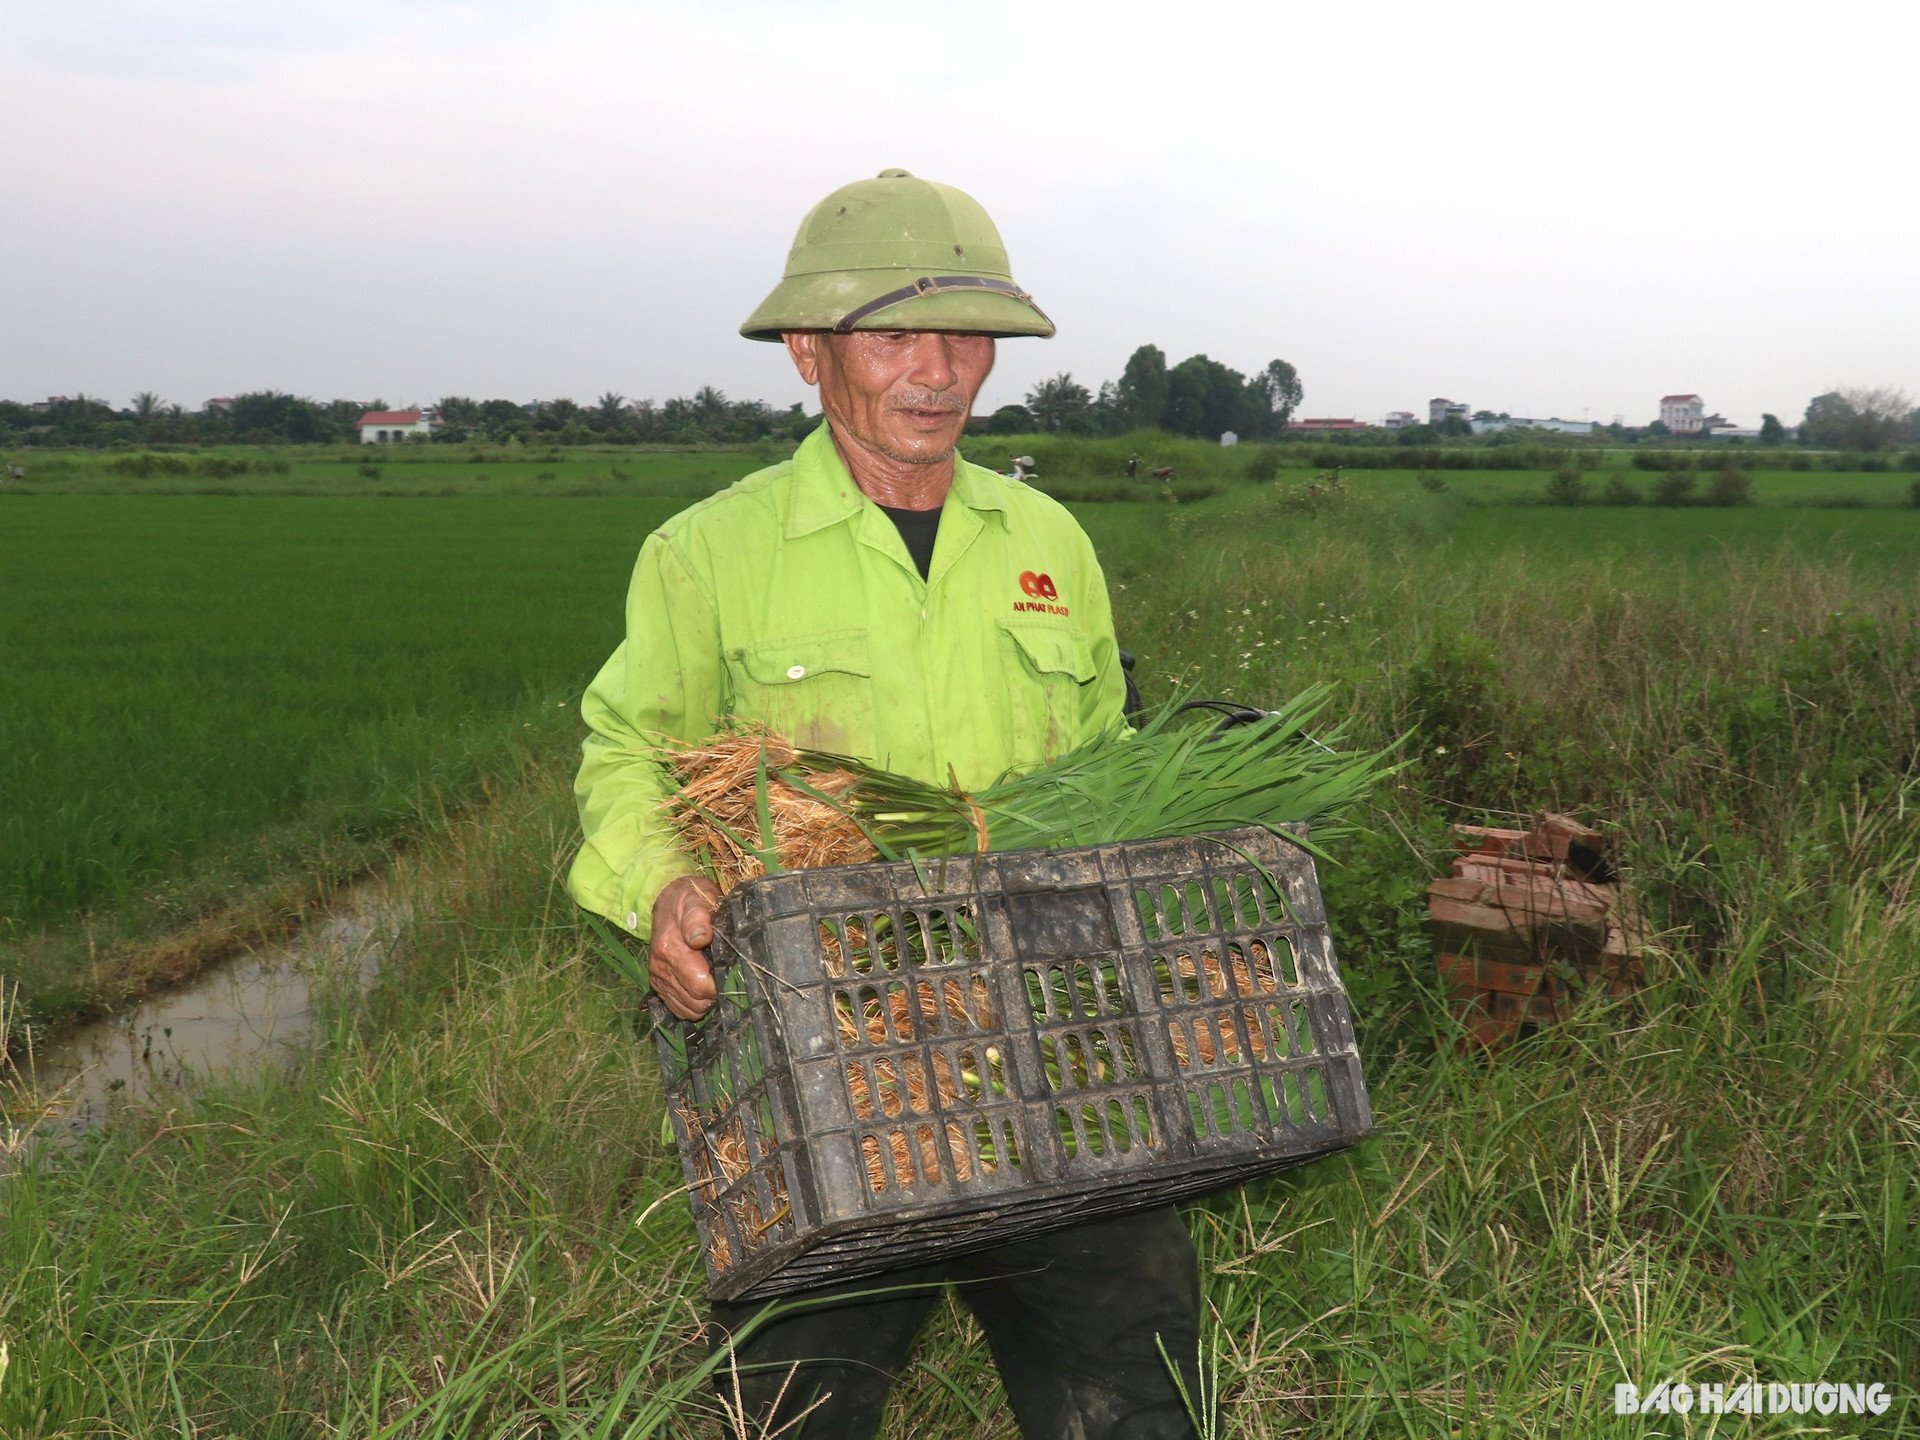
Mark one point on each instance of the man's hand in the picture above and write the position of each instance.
(682, 930)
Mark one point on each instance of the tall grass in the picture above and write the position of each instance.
(456, 1216)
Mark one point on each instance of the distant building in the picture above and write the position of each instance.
(1527, 422)
(381, 427)
(1397, 420)
(1683, 414)
(1227, 437)
(219, 405)
(1440, 410)
(1732, 432)
(1349, 423)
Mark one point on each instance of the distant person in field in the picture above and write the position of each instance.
(872, 596)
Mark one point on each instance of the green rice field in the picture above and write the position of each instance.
(189, 671)
(454, 1216)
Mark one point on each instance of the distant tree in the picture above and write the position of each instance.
(709, 405)
(1012, 420)
(1825, 422)
(457, 410)
(1455, 426)
(1485, 415)
(1857, 417)
(1276, 392)
(643, 419)
(1141, 395)
(1104, 417)
(556, 415)
(502, 419)
(744, 420)
(146, 405)
(678, 425)
(267, 415)
(1054, 402)
(1206, 398)
(1772, 432)
(610, 414)
(1659, 427)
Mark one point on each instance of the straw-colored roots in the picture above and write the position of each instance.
(1194, 1039)
(901, 1079)
(721, 1157)
(717, 810)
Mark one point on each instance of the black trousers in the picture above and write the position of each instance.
(1076, 1321)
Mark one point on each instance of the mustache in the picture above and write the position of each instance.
(929, 400)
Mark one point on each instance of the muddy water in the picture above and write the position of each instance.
(245, 1012)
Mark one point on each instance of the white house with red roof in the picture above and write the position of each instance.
(1683, 414)
(381, 427)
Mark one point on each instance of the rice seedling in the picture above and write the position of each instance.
(748, 803)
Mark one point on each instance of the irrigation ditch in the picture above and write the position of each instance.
(251, 1008)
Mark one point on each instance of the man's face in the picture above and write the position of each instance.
(901, 394)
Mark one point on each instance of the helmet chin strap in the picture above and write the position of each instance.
(933, 285)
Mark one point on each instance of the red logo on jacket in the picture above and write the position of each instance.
(1041, 587)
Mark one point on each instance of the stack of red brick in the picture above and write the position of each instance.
(1529, 922)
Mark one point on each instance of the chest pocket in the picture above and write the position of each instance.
(817, 690)
(1051, 667)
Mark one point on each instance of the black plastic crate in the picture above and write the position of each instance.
(913, 1060)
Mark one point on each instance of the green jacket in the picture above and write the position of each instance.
(789, 599)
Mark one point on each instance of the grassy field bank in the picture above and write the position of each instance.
(1075, 468)
(436, 471)
(455, 1217)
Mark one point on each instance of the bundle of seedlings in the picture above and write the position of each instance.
(750, 803)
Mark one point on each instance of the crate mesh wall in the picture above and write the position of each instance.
(910, 1061)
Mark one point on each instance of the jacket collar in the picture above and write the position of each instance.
(823, 493)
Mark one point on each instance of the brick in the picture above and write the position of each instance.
(1528, 896)
(1479, 866)
(1479, 973)
(1487, 1033)
(1487, 840)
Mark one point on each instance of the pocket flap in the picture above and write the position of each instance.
(783, 662)
(1053, 649)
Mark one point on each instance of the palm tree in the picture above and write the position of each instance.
(644, 418)
(709, 404)
(1051, 402)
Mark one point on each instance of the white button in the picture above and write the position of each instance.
(633, 919)
(794, 672)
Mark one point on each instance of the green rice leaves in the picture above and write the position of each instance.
(1171, 777)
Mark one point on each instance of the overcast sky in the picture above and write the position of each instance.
(1544, 209)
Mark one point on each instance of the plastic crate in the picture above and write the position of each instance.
(912, 1060)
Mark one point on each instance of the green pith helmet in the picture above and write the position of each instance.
(897, 253)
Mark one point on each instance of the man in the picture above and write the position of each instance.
(877, 596)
